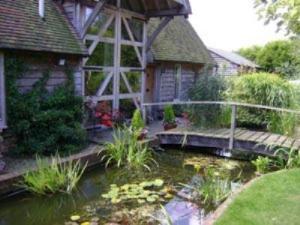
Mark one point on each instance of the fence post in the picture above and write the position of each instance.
(144, 113)
(233, 125)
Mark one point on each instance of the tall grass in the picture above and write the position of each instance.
(126, 150)
(265, 89)
(54, 177)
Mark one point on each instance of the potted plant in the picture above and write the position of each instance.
(169, 118)
(138, 124)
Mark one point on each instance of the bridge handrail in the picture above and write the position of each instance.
(222, 103)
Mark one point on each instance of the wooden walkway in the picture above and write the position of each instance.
(254, 141)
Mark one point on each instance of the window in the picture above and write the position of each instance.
(2, 93)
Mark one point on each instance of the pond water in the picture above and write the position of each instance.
(175, 169)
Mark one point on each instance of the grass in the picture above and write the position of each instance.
(53, 177)
(273, 199)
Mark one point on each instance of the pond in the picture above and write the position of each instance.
(176, 169)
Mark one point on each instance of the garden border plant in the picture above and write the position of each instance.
(40, 121)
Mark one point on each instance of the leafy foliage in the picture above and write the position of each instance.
(265, 89)
(262, 164)
(277, 56)
(286, 13)
(137, 122)
(56, 177)
(207, 88)
(169, 115)
(126, 150)
(43, 122)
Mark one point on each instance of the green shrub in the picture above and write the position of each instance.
(54, 177)
(137, 122)
(126, 150)
(43, 122)
(269, 90)
(169, 115)
(208, 88)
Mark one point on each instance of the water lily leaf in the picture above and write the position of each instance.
(158, 183)
(75, 217)
(141, 201)
(151, 199)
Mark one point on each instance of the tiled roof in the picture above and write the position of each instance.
(21, 27)
(234, 58)
(179, 42)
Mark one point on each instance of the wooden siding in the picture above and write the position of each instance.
(38, 64)
(168, 88)
(225, 67)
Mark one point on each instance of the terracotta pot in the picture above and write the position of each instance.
(170, 126)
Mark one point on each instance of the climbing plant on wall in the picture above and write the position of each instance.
(40, 121)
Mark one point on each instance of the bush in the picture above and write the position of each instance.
(137, 122)
(208, 88)
(269, 90)
(43, 122)
(56, 177)
(169, 115)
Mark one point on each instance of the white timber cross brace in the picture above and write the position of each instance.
(120, 22)
(92, 17)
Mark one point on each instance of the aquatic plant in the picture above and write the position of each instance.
(137, 121)
(287, 158)
(126, 150)
(55, 177)
(262, 164)
(214, 189)
(147, 191)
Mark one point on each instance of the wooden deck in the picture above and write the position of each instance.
(258, 142)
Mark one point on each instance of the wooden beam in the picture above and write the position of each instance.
(137, 52)
(154, 35)
(233, 126)
(168, 12)
(2, 93)
(104, 84)
(99, 6)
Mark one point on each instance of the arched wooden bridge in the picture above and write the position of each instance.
(234, 138)
(257, 142)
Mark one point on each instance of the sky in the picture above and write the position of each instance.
(230, 24)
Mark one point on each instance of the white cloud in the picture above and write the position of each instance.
(230, 24)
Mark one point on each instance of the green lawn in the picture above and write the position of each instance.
(273, 199)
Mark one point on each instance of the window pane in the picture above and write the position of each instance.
(129, 57)
(93, 82)
(103, 55)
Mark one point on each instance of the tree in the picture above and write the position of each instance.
(286, 13)
(250, 53)
(277, 56)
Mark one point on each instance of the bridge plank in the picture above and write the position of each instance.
(240, 133)
(271, 141)
(288, 143)
(257, 135)
(281, 140)
(296, 144)
(245, 136)
(263, 137)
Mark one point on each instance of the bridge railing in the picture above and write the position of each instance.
(234, 107)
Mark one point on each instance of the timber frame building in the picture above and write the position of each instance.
(94, 39)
